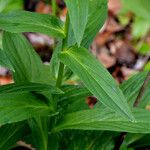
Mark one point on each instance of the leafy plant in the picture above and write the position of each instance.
(41, 109)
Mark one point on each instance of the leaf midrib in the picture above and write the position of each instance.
(95, 79)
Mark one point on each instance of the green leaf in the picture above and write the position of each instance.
(87, 140)
(131, 138)
(97, 79)
(73, 92)
(97, 14)
(25, 61)
(19, 106)
(39, 129)
(53, 142)
(141, 142)
(10, 134)
(96, 17)
(74, 98)
(132, 86)
(23, 21)
(104, 119)
(54, 62)
(78, 13)
(131, 89)
(145, 100)
(70, 36)
(4, 61)
(26, 87)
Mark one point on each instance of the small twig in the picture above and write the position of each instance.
(136, 103)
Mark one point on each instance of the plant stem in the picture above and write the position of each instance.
(136, 103)
(64, 45)
(60, 75)
(54, 7)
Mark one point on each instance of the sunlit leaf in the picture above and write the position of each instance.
(24, 21)
(78, 17)
(104, 119)
(97, 79)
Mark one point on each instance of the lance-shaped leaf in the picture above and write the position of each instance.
(4, 61)
(143, 141)
(10, 134)
(25, 61)
(97, 15)
(97, 79)
(104, 119)
(23, 21)
(26, 87)
(74, 98)
(39, 129)
(19, 106)
(132, 86)
(78, 13)
(145, 100)
(88, 140)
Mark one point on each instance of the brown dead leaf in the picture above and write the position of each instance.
(29, 146)
(106, 59)
(91, 101)
(5, 80)
(43, 8)
(125, 53)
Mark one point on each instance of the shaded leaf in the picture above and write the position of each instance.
(132, 86)
(131, 138)
(141, 142)
(4, 61)
(11, 134)
(18, 106)
(25, 61)
(39, 129)
(74, 98)
(87, 140)
(145, 100)
(53, 142)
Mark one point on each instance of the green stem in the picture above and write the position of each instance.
(54, 7)
(64, 45)
(60, 75)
